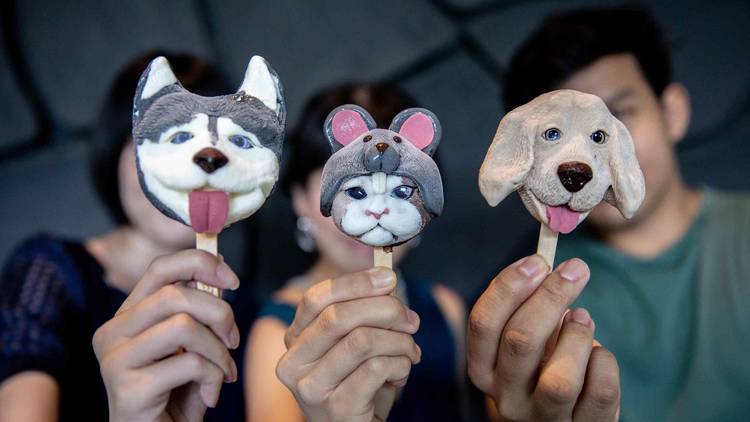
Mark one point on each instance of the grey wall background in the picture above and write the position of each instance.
(57, 59)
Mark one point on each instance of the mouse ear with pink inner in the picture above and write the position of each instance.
(208, 162)
(564, 153)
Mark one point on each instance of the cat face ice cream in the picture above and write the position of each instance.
(208, 161)
(381, 186)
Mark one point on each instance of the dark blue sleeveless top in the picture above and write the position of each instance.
(432, 392)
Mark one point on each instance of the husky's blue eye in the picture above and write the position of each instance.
(241, 141)
(552, 134)
(181, 137)
(403, 192)
(356, 193)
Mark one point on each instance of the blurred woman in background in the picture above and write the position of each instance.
(432, 392)
(57, 292)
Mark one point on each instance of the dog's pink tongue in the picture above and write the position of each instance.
(208, 210)
(562, 219)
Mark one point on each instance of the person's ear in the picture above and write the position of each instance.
(300, 202)
(675, 103)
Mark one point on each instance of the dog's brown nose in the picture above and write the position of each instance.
(574, 175)
(381, 146)
(210, 159)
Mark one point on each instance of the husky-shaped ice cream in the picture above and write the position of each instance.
(208, 161)
(381, 186)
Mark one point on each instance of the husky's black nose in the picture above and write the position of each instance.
(210, 159)
(574, 175)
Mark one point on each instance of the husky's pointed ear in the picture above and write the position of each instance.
(509, 158)
(628, 187)
(420, 127)
(345, 124)
(262, 82)
(156, 81)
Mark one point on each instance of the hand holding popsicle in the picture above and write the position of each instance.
(381, 186)
(564, 152)
(208, 161)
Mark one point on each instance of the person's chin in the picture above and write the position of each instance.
(176, 235)
(606, 218)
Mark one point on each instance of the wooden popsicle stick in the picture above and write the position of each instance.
(383, 257)
(208, 242)
(547, 245)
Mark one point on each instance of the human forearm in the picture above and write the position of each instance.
(29, 396)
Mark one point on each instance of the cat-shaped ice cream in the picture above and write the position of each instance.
(208, 161)
(381, 186)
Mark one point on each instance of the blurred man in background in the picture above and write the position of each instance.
(669, 287)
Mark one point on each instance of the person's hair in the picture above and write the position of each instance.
(112, 128)
(307, 143)
(567, 42)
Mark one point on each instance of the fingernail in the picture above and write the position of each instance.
(419, 355)
(533, 266)
(381, 277)
(412, 317)
(234, 370)
(234, 337)
(572, 270)
(581, 316)
(227, 276)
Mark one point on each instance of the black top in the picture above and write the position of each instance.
(54, 297)
(433, 391)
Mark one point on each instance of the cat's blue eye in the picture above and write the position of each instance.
(181, 137)
(356, 193)
(403, 192)
(241, 141)
(552, 134)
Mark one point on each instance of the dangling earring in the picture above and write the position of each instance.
(303, 234)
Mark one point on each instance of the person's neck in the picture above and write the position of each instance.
(125, 254)
(322, 269)
(662, 228)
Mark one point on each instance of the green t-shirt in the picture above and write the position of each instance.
(678, 324)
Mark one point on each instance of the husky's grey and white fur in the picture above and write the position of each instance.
(186, 142)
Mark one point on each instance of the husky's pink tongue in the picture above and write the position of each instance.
(562, 219)
(208, 210)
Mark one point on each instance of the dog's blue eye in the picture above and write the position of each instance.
(599, 136)
(403, 192)
(181, 137)
(241, 141)
(356, 193)
(552, 134)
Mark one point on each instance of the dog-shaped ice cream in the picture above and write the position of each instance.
(381, 186)
(564, 152)
(208, 161)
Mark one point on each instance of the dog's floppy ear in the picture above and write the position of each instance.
(628, 186)
(262, 83)
(155, 82)
(420, 127)
(345, 124)
(509, 158)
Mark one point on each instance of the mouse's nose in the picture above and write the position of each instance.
(210, 159)
(381, 146)
(574, 175)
